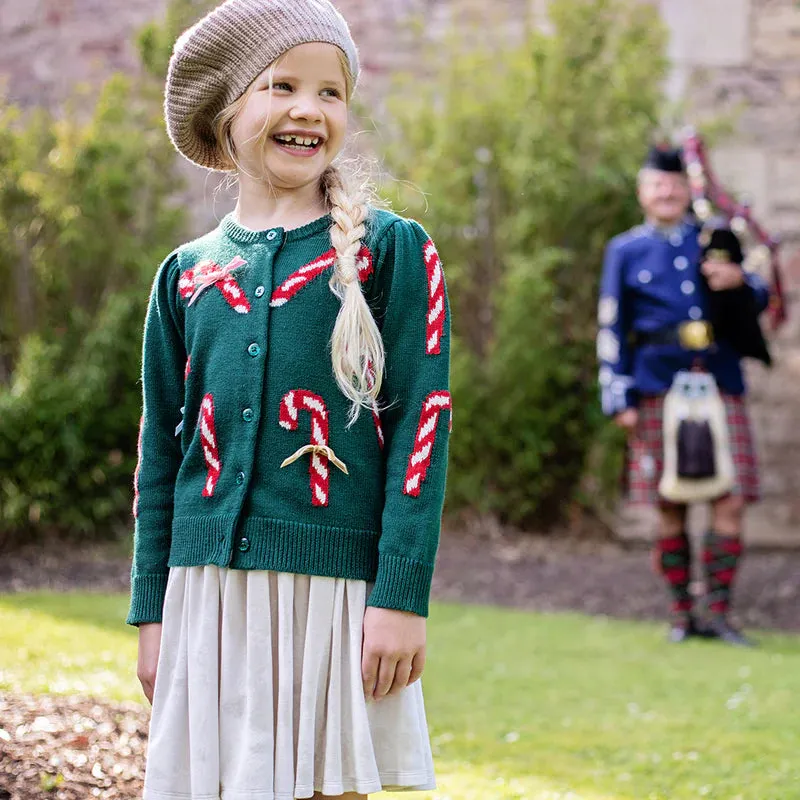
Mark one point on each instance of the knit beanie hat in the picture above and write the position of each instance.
(219, 57)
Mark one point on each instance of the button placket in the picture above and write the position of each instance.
(247, 465)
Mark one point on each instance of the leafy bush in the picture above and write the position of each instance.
(526, 153)
(86, 214)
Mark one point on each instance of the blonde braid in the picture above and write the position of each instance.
(356, 345)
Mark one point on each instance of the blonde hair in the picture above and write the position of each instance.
(357, 352)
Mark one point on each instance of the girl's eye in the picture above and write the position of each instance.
(331, 92)
(282, 86)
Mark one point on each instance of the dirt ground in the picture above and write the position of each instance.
(485, 563)
(77, 749)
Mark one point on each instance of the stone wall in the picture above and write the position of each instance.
(735, 57)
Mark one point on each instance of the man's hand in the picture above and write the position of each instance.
(722, 275)
(393, 651)
(149, 648)
(627, 420)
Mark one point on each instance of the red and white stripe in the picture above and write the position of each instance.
(420, 458)
(188, 368)
(234, 294)
(186, 283)
(376, 416)
(436, 307)
(378, 427)
(303, 276)
(319, 471)
(138, 469)
(208, 439)
(208, 273)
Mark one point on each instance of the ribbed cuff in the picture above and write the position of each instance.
(147, 598)
(402, 584)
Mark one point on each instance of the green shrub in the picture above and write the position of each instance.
(526, 153)
(86, 215)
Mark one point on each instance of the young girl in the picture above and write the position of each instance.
(293, 444)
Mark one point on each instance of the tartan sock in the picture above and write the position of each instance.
(673, 560)
(721, 556)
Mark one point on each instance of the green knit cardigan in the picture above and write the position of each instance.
(237, 379)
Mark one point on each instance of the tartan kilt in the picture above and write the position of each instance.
(646, 451)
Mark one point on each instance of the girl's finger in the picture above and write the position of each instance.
(417, 666)
(402, 675)
(369, 672)
(386, 673)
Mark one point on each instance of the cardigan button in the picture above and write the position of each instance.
(240, 479)
(254, 349)
(271, 235)
(259, 291)
(244, 544)
(247, 415)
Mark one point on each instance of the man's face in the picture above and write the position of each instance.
(664, 196)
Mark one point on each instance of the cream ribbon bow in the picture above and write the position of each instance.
(317, 450)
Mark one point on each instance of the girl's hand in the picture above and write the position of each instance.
(149, 648)
(393, 651)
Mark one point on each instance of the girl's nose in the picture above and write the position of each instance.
(306, 108)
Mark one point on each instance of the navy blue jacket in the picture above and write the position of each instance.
(651, 280)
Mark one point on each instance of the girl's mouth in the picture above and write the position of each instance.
(297, 144)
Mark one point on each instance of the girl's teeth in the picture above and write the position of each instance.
(299, 140)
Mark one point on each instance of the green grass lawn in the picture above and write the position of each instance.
(520, 705)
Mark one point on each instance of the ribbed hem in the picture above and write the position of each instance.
(147, 598)
(402, 584)
(274, 544)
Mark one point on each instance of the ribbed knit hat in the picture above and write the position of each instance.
(218, 58)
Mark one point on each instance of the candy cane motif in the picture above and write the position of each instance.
(188, 368)
(376, 416)
(436, 307)
(208, 438)
(303, 276)
(207, 273)
(138, 469)
(420, 458)
(291, 405)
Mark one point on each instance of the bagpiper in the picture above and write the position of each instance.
(677, 313)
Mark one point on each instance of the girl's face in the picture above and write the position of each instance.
(288, 134)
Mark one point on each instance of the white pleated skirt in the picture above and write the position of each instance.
(259, 694)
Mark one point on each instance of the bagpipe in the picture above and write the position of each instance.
(723, 221)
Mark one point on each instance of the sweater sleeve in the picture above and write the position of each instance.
(414, 316)
(163, 364)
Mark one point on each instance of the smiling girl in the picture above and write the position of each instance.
(293, 444)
